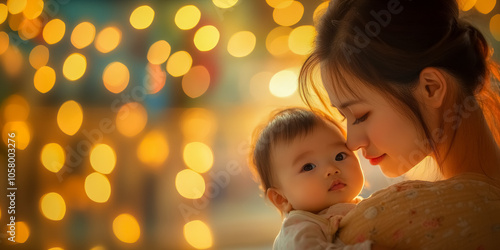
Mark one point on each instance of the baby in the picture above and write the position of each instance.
(307, 172)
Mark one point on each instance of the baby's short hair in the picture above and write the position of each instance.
(284, 125)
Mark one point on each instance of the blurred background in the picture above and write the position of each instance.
(133, 119)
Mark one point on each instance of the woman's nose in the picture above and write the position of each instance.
(356, 139)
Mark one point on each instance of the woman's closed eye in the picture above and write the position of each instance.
(307, 167)
(361, 119)
(340, 156)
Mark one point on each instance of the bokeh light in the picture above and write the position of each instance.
(116, 77)
(198, 124)
(485, 6)
(190, 184)
(289, 15)
(179, 63)
(33, 9)
(159, 52)
(108, 39)
(103, 158)
(241, 43)
(206, 38)
(29, 28)
(22, 232)
(466, 5)
(153, 149)
(283, 83)
(4, 42)
(301, 39)
(198, 156)
(198, 234)
(4, 12)
(224, 4)
(15, 108)
(99, 247)
(187, 17)
(22, 132)
(196, 81)
(97, 187)
(53, 157)
(54, 31)
(83, 35)
(70, 117)
(495, 26)
(15, 21)
(56, 248)
(74, 66)
(142, 17)
(12, 61)
(277, 41)
(126, 228)
(39, 56)
(16, 6)
(320, 10)
(279, 3)
(131, 119)
(53, 206)
(45, 78)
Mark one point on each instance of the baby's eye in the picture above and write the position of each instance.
(308, 167)
(340, 156)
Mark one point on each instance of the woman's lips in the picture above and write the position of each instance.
(377, 160)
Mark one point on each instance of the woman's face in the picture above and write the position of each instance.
(385, 136)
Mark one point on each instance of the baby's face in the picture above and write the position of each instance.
(317, 170)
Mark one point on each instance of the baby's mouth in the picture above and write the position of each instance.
(337, 185)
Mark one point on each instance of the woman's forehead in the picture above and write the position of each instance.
(340, 85)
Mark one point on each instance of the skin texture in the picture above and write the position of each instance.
(302, 186)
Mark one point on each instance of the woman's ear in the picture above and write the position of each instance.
(279, 200)
(432, 86)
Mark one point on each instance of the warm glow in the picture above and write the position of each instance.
(33, 9)
(495, 26)
(16, 108)
(29, 29)
(126, 228)
(198, 156)
(74, 66)
(142, 17)
(206, 38)
(103, 158)
(39, 56)
(198, 234)
(283, 83)
(16, 6)
(56, 248)
(45, 78)
(4, 12)
(196, 82)
(54, 31)
(22, 232)
(466, 5)
(301, 39)
(241, 44)
(99, 247)
(4, 42)
(22, 132)
(198, 124)
(70, 117)
(155, 78)
(279, 3)
(290, 15)
(187, 17)
(15, 21)
(319, 11)
(97, 187)
(83, 35)
(131, 119)
(259, 85)
(108, 39)
(12, 60)
(53, 157)
(159, 52)
(485, 6)
(153, 149)
(179, 63)
(224, 4)
(116, 77)
(190, 184)
(53, 206)
(277, 41)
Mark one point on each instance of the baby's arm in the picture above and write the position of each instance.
(304, 230)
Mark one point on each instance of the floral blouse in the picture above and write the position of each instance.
(462, 212)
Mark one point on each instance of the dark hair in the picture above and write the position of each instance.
(283, 126)
(387, 43)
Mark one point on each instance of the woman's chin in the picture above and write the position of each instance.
(394, 171)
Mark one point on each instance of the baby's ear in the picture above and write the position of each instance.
(279, 200)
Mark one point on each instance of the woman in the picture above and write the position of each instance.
(413, 79)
